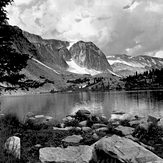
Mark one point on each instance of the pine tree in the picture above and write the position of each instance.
(11, 62)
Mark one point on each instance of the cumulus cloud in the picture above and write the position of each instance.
(134, 27)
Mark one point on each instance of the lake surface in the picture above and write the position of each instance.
(59, 105)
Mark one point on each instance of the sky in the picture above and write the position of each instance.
(133, 27)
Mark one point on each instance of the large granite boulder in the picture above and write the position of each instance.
(71, 154)
(122, 150)
(83, 114)
(12, 146)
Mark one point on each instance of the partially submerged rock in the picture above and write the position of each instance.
(39, 119)
(122, 150)
(122, 117)
(71, 154)
(83, 114)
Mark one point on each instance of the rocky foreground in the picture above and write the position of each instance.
(86, 138)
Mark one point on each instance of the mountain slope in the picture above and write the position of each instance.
(126, 65)
(45, 63)
(48, 50)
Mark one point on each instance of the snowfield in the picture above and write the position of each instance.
(74, 68)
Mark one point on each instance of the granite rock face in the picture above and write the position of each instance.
(71, 154)
(122, 150)
(87, 54)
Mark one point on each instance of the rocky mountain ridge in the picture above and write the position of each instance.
(52, 63)
(87, 54)
(125, 65)
(50, 60)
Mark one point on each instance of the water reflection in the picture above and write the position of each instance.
(102, 103)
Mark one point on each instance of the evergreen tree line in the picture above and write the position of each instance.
(149, 79)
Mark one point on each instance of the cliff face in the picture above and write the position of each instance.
(87, 54)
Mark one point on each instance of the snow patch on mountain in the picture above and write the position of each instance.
(74, 68)
(129, 63)
(44, 65)
(114, 73)
(118, 61)
(70, 44)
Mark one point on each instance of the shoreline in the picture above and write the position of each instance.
(49, 92)
(40, 136)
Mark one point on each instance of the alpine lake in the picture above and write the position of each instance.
(58, 105)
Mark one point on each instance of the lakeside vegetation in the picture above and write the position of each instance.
(152, 79)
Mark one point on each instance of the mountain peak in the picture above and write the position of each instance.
(87, 54)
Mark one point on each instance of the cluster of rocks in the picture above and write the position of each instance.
(96, 139)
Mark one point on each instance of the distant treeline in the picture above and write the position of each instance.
(151, 79)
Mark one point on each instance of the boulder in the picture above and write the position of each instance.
(98, 125)
(122, 117)
(83, 123)
(72, 139)
(103, 119)
(136, 122)
(124, 130)
(86, 129)
(71, 154)
(40, 119)
(122, 150)
(63, 129)
(101, 129)
(78, 128)
(160, 123)
(95, 136)
(67, 119)
(12, 146)
(142, 129)
(153, 119)
(83, 114)
(94, 119)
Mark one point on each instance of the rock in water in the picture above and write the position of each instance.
(12, 146)
(83, 114)
(122, 150)
(71, 154)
